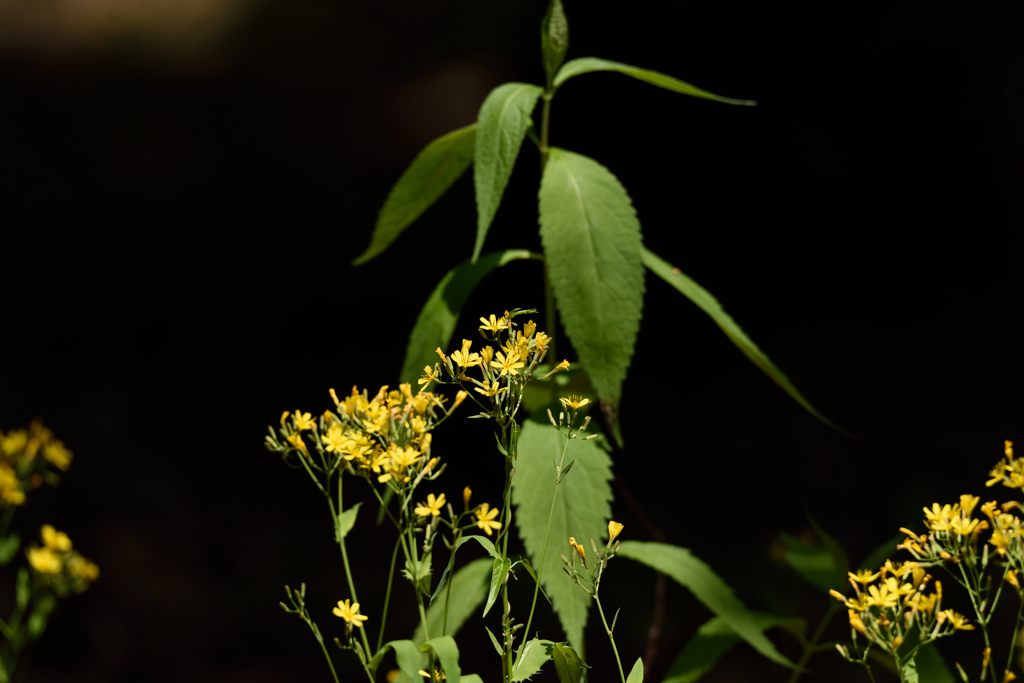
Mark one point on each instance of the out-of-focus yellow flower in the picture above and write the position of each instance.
(485, 518)
(574, 402)
(967, 503)
(459, 398)
(44, 560)
(856, 622)
(296, 440)
(863, 576)
(57, 454)
(303, 421)
(349, 613)
(965, 527)
(614, 529)
(55, 540)
(83, 568)
(429, 375)
(956, 620)
(467, 493)
(432, 506)
(14, 442)
(10, 485)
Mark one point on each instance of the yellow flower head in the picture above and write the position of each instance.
(507, 364)
(44, 560)
(296, 440)
(467, 493)
(55, 540)
(83, 568)
(574, 402)
(938, 519)
(494, 324)
(863, 576)
(956, 620)
(349, 614)
(579, 550)
(542, 341)
(334, 439)
(967, 503)
(463, 358)
(432, 506)
(614, 529)
(485, 518)
(491, 388)
(303, 421)
(1011, 578)
(487, 355)
(857, 622)
(57, 454)
(429, 375)
(529, 328)
(459, 398)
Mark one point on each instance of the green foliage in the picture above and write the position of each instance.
(814, 563)
(407, 656)
(554, 38)
(709, 304)
(706, 586)
(499, 570)
(428, 177)
(448, 653)
(593, 251)
(469, 586)
(9, 547)
(591, 64)
(582, 510)
(535, 654)
(436, 322)
(568, 666)
(488, 546)
(637, 673)
(713, 639)
(501, 127)
(348, 520)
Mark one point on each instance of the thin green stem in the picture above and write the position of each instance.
(448, 589)
(328, 658)
(344, 558)
(1013, 641)
(809, 646)
(611, 637)
(387, 595)
(982, 622)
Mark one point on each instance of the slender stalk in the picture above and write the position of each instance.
(809, 646)
(982, 622)
(549, 296)
(611, 637)
(1013, 641)
(328, 657)
(387, 595)
(344, 558)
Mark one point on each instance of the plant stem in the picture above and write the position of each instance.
(344, 558)
(611, 637)
(387, 595)
(810, 645)
(1013, 641)
(328, 657)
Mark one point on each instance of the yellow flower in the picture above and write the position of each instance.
(529, 328)
(296, 440)
(939, 518)
(564, 365)
(579, 550)
(83, 568)
(507, 364)
(882, 597)
(495, 324)
(431, 507)
(542, 342)
(1011, 578)
(429, 375)
(56, 453)
(574, 402)
(858, 602)
(55, 540)
(459, 398)
(284, 416)
(467, 493)
(614, 529)
(967, 503)
(10, 485)
(334, 440)
(44, 560)
(303, 421)
(964, 527)
(349, 614)
(857, 622)
(14, 442)
(956, 620)
(491, 388)
(438, 676)
(485, 518)
(863, 576)
(463, 358)
(486, 355)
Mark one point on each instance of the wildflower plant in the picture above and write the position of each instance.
(899, 607)
(30, 458)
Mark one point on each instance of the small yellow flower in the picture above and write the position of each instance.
(1011, 578)
(956, 620)
(57, 454)
(491, 388)
(542, 342)
(507, 364)
(858, 602)
(467, 493)
(438, 676)
(284, 416)
(44, 560)
(487, 355)
(579, 550)
(495, 324)
(574, 402)
(55, 540)
(296, 440)
(334, 397)
(863, 576)
(938, 519)
(564, 365)
(967, 503)
(614, 529)
(303, 421)
(1009, 676)
(882, 596)
(349, 614)
(459, 398)
(856, 622)
(429, 375)
(83, 568)
(432, 506)
(463, 358)
(485, 518)
(529, 328)
(964, 527)
(334, 440)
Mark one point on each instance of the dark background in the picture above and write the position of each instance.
(181, 203)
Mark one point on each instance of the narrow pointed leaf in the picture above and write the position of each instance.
(637, 673)
(488, 546)
(448, 654)
(582, 510)
(693, 574)
(501, 126)
(494, 642)
(348, 520)
(436, 321)
(533, 574)
(535, 653)
(469, 588)
(593, 252)
(713, 639)
(431, 173)
(499, 570)
(568, 666)
(709, 304)
(585, 65)
(554, 38)
(814, 563)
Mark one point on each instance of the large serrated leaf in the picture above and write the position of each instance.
(431, 173)
(436, 321)
(535, 653)
(469, 587)
(709, 304)
(691, 573)
(501, 126)
(582, 510)
(585, 65)
(593, 252)
(713, 639)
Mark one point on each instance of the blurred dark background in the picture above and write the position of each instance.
(184, 186)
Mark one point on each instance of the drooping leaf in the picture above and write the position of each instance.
(593, 252)
(533, 575)
(693, 574)
(814, 563)
(408, 657)
(469, 587)
(707, 303)
(535, 653)
(448, 654)
(348, 520)
(436, 321)
(499, 571)
(582, 510)
(431, 173)
(637, 673)
(501, 125)
(568, 666)
(713, 639)
(488, 546)
(554, 38)
(585, 65)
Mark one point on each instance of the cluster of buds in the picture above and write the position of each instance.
(59, 565)
(387, 436)
(586, 575)
(21, 468)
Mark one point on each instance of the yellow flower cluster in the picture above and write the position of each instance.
(1008, 471)
(20, 469)
(66, 570)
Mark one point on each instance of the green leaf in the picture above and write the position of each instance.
(494, 642)
(593, 253)
(436, 322)
(448, 653)
(348, 520)
(707, 303)
(529, 570)
(706, 586)
(590, 64)
(713, 639)
(469, 587)
(408, 657)
(814, 563)
(498, 573)
(568, 666)
(535, 653)
(488, 546)
(472, 678)
(554, 38)
(582, 510)
(835, 550)
(501, 126)
(8, 548)
(931, 667)
(21, 589)
(428, 177)
(637, 674)
(910, 672)
(37, 620)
